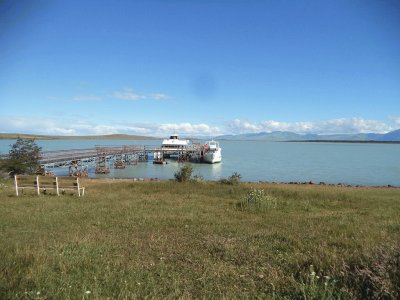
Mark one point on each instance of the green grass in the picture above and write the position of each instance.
(129, 239)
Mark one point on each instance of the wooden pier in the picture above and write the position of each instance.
(121, 156)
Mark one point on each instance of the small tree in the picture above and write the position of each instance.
(184, 174)
(23, 158)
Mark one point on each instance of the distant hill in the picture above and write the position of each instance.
(79, 137)
(391, 136)
(291, 136)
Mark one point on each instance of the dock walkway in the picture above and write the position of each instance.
(121, 155)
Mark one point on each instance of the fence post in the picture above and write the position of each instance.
(37, 185)
(79, 188)
(16, 184)
(58, 192)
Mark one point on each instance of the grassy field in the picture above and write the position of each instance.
(128, 239)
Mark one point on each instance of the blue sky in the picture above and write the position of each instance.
(199, 67)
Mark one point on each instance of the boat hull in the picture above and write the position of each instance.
(212, 157)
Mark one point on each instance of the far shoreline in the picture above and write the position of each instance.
(344, 141)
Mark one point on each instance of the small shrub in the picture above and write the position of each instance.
(184, 174)
(318, 287)
(197, 178)
(257, 199)
(234, 179)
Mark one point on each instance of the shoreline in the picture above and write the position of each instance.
(290, 183)
(344, 141)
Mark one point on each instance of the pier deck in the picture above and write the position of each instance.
(121, 155)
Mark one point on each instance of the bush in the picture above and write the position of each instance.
(197, 178)
(257, 199)
(184, 174)
(234, 179)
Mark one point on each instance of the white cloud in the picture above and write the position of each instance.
(124, 94)
(343, 125)
(188, 128)
(130, 94)
(240, 126)
(352, 125)
(76, 126)
(86, 98)
(35, 125)
(396, 120)
(159, 96)
(53, 98)
(243, 126)
(64, 126)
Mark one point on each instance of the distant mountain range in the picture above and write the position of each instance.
(291, 136)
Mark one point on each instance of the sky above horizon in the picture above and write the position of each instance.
(199, 67)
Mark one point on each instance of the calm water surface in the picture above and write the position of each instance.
(364, 164)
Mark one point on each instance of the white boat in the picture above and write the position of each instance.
(212, 152)
(174, 144)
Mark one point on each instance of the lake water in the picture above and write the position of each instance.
(348, 163)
